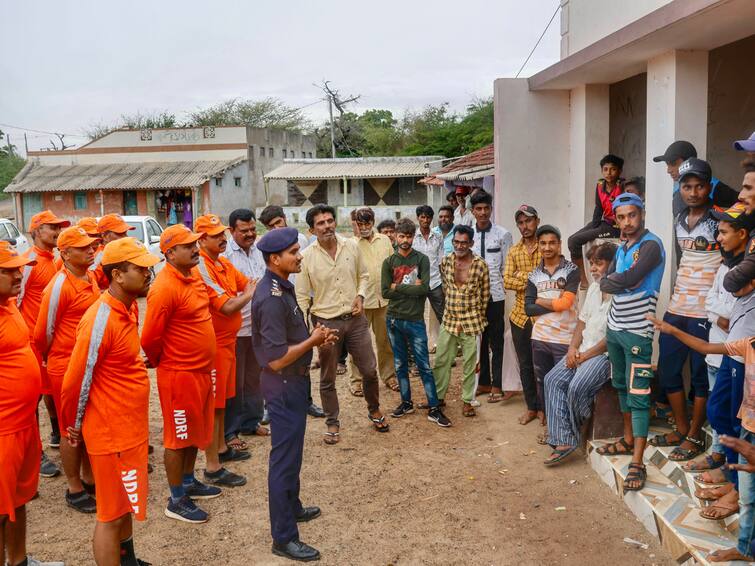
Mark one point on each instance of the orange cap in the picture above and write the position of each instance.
(130, 250)
(209, 224)
(10, 258)
(46, 217)
(74, 237)
(113, 223)
(89, 224)
(176, 235)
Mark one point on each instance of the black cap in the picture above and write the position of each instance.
(277, 240)
(695, 167)
(547, 229)
(680, 149)
(525, 209)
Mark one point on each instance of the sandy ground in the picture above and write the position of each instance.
(476, 493)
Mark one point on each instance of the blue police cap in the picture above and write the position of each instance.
(277, 240)
(625, 199)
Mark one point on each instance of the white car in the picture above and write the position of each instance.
(11, 233)
(147, 230)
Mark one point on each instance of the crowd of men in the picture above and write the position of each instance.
(230, 327)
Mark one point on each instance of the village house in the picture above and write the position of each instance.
(389, 185)
(173, 174)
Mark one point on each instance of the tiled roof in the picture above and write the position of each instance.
(351, 168)
(36, 178)
(474, 165)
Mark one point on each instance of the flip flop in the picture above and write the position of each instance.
(237, 443)
(332, 437)
(728, 509)
(495, 397)
(699, 478)
(713, 493)
(379, 423)
(560, 455)
(706, 464)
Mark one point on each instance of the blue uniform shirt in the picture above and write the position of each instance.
(277, 323)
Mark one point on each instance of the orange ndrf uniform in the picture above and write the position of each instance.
(35, 280)
(64, 301)
(20, 386)
(223, 282)
(178, 339)
(96, 270)
(106, 394)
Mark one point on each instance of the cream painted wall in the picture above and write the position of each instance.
(157, 156)
(176, 136)
(584, 22)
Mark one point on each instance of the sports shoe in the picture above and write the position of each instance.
(198, 490)
(54, 439)
(48, 468)
(82, 502)
(31, 561)
(233, 455)
(185, 510)
(405, 408)
(225, 478)
(436, 415)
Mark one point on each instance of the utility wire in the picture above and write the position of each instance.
(538, 41)
(43, 132)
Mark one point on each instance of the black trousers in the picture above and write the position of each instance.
(437, 302)
(492, 340)
(522, 338)
(588, 234)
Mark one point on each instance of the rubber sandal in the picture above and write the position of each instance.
(468, 410)
(495, 397)
(680, 454)
(713, 493)
(707, 464)
(332, 437)
(560, 456)
(237, 444)
(700, 479)
(662, 441)
(729, 509)
(357, 392)
(392, 384)
(613, 450)
(637, 472)
(340, 369)
(379, 423)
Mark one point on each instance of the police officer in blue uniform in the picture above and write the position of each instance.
(283, 346)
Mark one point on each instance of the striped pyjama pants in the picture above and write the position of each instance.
(569, 394)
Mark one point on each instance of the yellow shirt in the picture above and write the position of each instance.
(326, 286)
(373, 253)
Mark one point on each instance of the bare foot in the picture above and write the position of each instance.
(527, 417)
(728, 555)
(541, 416)
(509, 395)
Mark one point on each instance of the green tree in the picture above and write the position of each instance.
(266, 113)
(136, 121)
(10, 164)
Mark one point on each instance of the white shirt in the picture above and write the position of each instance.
(497, 240)
(466, 219)
(594, 314)
(432, 247)
(252, 265)
(303, 243)
(719, 303)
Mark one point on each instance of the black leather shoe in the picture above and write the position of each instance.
(307, 514)
(315, 411)
(296, 550)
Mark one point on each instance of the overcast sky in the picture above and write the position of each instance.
(67, 65)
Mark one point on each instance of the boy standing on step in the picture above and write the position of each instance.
(634, 280)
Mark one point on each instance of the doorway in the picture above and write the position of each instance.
(130, 207)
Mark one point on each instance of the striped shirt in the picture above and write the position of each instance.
(700, 258)
(555, 327)
(634, 280)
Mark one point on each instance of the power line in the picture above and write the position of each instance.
(538, 41)
(43, 132)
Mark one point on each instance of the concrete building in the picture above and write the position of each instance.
(633, 77)
(230, 163)
(389, 185)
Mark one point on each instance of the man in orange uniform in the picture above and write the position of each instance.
(20, 384)
(65, 300)
(179, 340)
(45, 228)
(89, 224)
(229, 292)
(110, 227)
(105, 399)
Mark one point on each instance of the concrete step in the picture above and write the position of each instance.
(666, 506)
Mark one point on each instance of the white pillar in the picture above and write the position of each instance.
(677, 108)
(588, 141)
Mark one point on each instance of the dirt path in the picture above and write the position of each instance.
(418, 495)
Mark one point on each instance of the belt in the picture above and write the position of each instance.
(347, 316)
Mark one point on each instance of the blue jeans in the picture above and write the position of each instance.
(746, 502)
(413, 333)
(723, 404)
(715, 445)
(673, 355)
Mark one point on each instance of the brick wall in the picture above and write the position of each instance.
(62, 204)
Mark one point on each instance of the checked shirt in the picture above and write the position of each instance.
(465, 305)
